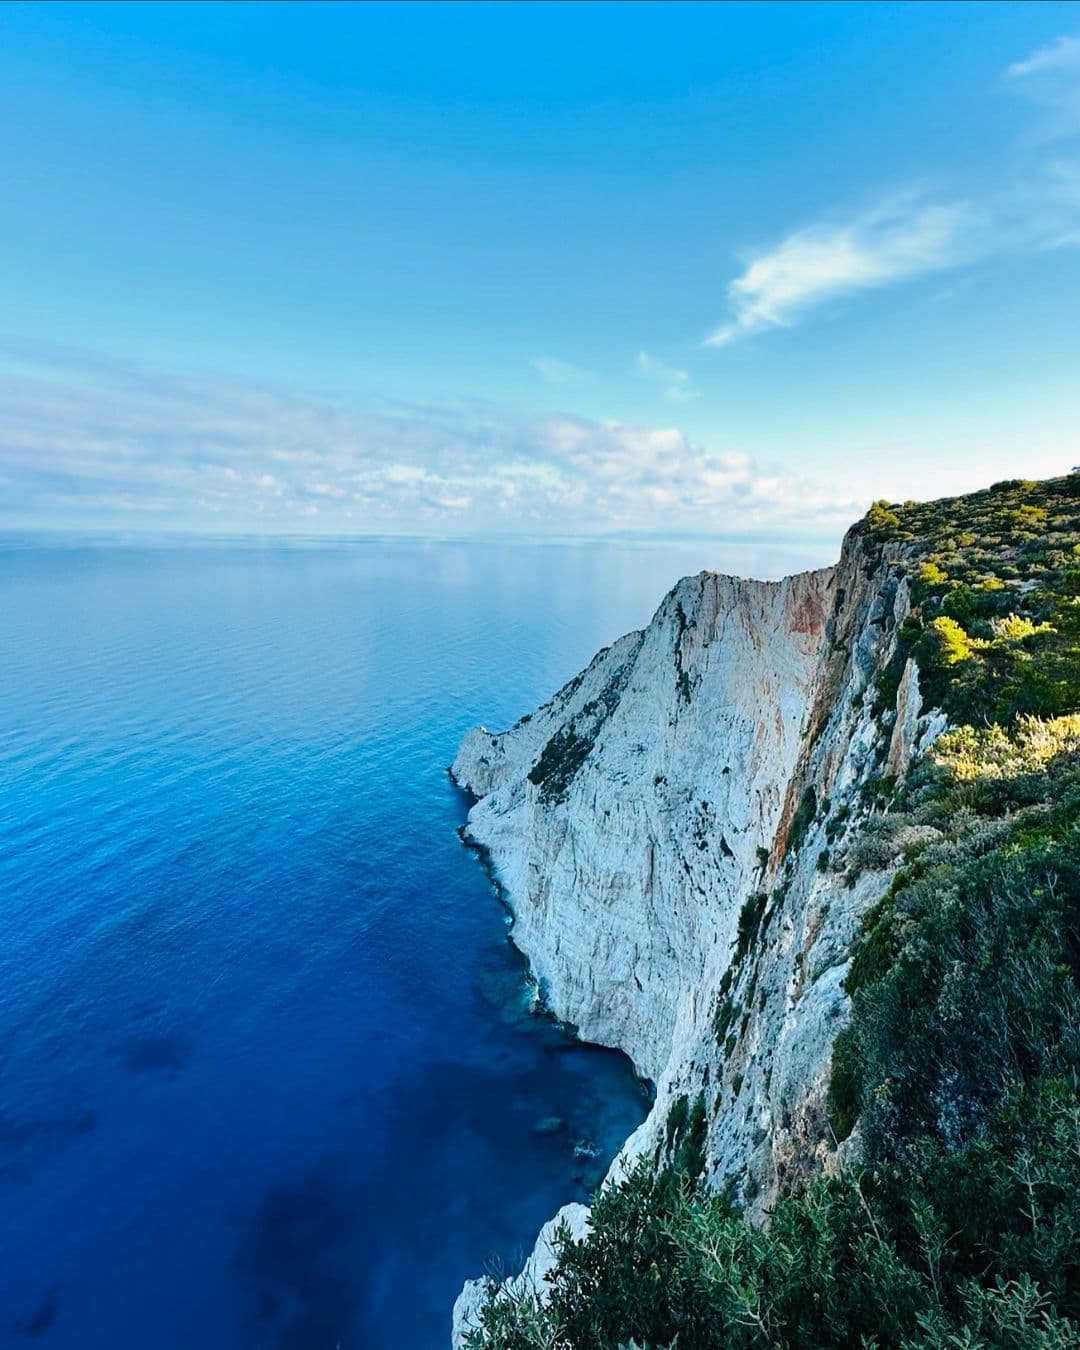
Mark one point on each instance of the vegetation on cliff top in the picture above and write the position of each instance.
(994, 581)
(960, 1223)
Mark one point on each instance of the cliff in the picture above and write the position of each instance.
(809, 852)
(670, 833)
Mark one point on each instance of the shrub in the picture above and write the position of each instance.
(930, 574)
(749, 922)
(802, 820)
(902, 1259)
(882, 521)
(944, 643)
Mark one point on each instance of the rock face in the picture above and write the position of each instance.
(670, 833)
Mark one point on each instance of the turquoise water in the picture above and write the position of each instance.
(265, 1075)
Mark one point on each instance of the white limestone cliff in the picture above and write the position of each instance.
(709, 769)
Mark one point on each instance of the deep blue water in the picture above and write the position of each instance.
(265, 1075)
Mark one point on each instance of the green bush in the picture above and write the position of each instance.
(930, 574)
(974, 1249)
(749, 922)
(945, 644)
(882, 520)
(802, 820)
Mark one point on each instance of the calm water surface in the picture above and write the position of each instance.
(265, 1077)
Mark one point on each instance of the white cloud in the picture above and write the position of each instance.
(1035, 207)
(897, 240)
(677, 384)
(1063, 54)
(109, 444)
(553, 371)
(1051, 77)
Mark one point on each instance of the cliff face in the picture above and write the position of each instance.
(671, 834)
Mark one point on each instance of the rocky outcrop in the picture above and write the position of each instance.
(670, 833)
(572, 1220)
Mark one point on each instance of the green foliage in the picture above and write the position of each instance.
(726, 1012)
(975, 1249)
(966, 988)
(834, 826)
(676, 1120)
(684, 1137)
(682, 676)
(749, 922)
(882, 522)
(887, 681)
(944, 644)
(802, 820)
(559, 761)
(571, 745)
(930, 574)
(1000, 566)
(845, 1082)
(992, 770)
(688, 1155)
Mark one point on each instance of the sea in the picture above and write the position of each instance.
(270, 1075)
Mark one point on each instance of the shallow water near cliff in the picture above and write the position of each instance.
(266, 1079)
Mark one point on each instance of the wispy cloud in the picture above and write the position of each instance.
(903, 238)
(554, 371)
(1061, 55)
(908, 235)
(1051, 76)
(676, 384)
(88, 443)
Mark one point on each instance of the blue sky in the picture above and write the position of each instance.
(567, 268)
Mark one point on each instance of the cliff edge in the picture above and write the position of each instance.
(669, 833)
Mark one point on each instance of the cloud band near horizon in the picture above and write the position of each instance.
(87, 440)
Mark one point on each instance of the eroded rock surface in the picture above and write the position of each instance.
(670, 833)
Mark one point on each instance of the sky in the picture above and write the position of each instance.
(564, 270)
